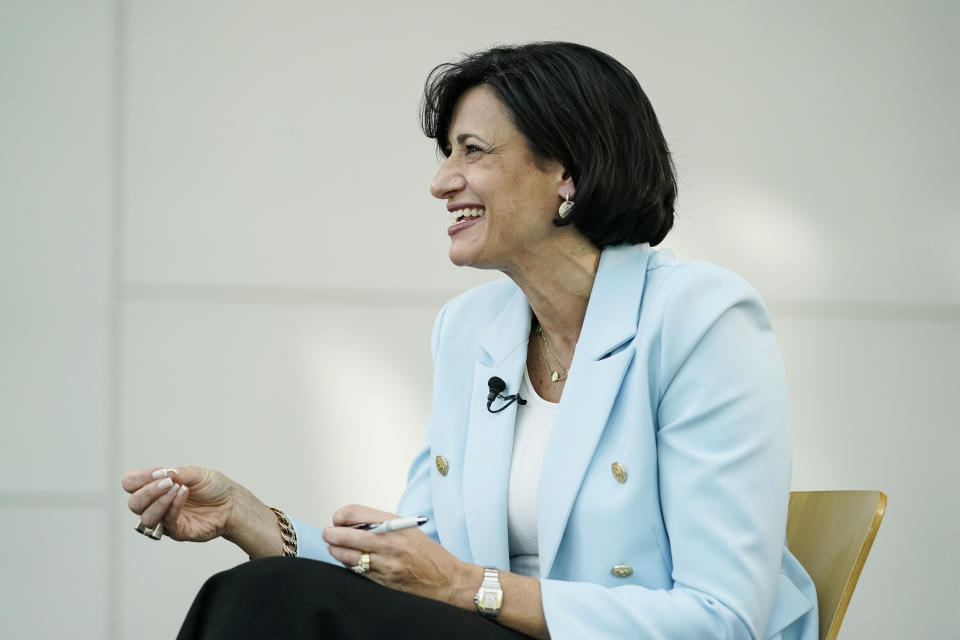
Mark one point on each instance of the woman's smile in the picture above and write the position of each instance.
(463, 217)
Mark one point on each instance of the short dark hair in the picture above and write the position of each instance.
(581, 107)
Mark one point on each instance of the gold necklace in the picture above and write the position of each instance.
(560, 373)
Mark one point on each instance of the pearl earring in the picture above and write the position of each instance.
(565, 207)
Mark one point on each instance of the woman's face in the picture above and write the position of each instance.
(501, 202)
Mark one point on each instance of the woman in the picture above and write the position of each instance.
(638, 489)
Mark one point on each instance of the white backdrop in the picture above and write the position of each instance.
(218, 247)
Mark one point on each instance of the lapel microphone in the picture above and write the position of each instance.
(495, 387)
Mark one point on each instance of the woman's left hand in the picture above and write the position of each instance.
(407, 560)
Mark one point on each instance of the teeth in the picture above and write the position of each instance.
(466, 213)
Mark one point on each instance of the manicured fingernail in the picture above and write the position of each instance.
(183, 490)
(159, 473)
(173, 489)
(166, 482)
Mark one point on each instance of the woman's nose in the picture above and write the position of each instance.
(447, 181)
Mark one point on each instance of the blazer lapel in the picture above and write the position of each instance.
(600, 362)
(486, 465)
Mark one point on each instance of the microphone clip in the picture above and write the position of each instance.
(495, 387)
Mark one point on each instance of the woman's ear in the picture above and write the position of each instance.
(565, 188)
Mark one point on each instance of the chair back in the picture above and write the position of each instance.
(830, 533)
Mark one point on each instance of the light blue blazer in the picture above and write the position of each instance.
(676, 377)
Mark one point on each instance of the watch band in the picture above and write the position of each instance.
(489, 597)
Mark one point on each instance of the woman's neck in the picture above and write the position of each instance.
(557, 281)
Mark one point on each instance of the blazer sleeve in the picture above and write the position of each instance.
(724, 461)
(417, 497)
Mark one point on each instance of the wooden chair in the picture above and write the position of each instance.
(830, 533)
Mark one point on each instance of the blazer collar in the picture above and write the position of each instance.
(614, 308)
(510, 329)
(591, 390)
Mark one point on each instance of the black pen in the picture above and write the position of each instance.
(393, 525)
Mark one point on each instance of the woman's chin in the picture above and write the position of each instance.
(463, 253)
(460, 258)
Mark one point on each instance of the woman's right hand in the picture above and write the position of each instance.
(193, 503)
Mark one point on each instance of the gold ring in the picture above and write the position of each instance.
(154, 534)
(363, 566)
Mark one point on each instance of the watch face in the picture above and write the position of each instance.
(490, 599)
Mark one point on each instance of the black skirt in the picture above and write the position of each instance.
(300, 598)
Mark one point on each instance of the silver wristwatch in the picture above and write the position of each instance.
(489, 597)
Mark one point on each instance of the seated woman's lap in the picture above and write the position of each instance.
(300, 598)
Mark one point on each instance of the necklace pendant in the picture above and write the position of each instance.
(554, 376)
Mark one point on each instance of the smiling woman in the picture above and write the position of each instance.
(639, 485)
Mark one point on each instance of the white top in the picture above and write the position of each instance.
(530, 437)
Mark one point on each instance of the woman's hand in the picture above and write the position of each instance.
(407, 560)
(193, 503)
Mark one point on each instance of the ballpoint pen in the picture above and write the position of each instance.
(393, 525)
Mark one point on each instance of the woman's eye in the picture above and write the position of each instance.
(472, 148)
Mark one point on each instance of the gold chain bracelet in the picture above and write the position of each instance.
(287, 534)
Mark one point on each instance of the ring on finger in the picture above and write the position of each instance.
(363, 566)
(154, 533)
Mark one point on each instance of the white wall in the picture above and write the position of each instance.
(217, 246)
(57, 433)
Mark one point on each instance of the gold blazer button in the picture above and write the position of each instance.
(622, 570)
(442, 465)
(619, 472)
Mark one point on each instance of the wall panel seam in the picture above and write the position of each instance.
(53, 499)
(114, 438)
(273, 295)
(283, 296)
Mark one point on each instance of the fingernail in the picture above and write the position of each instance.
(166, 482)
(172, 471)
(183, 490)
(159, 473)
(173, 489)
